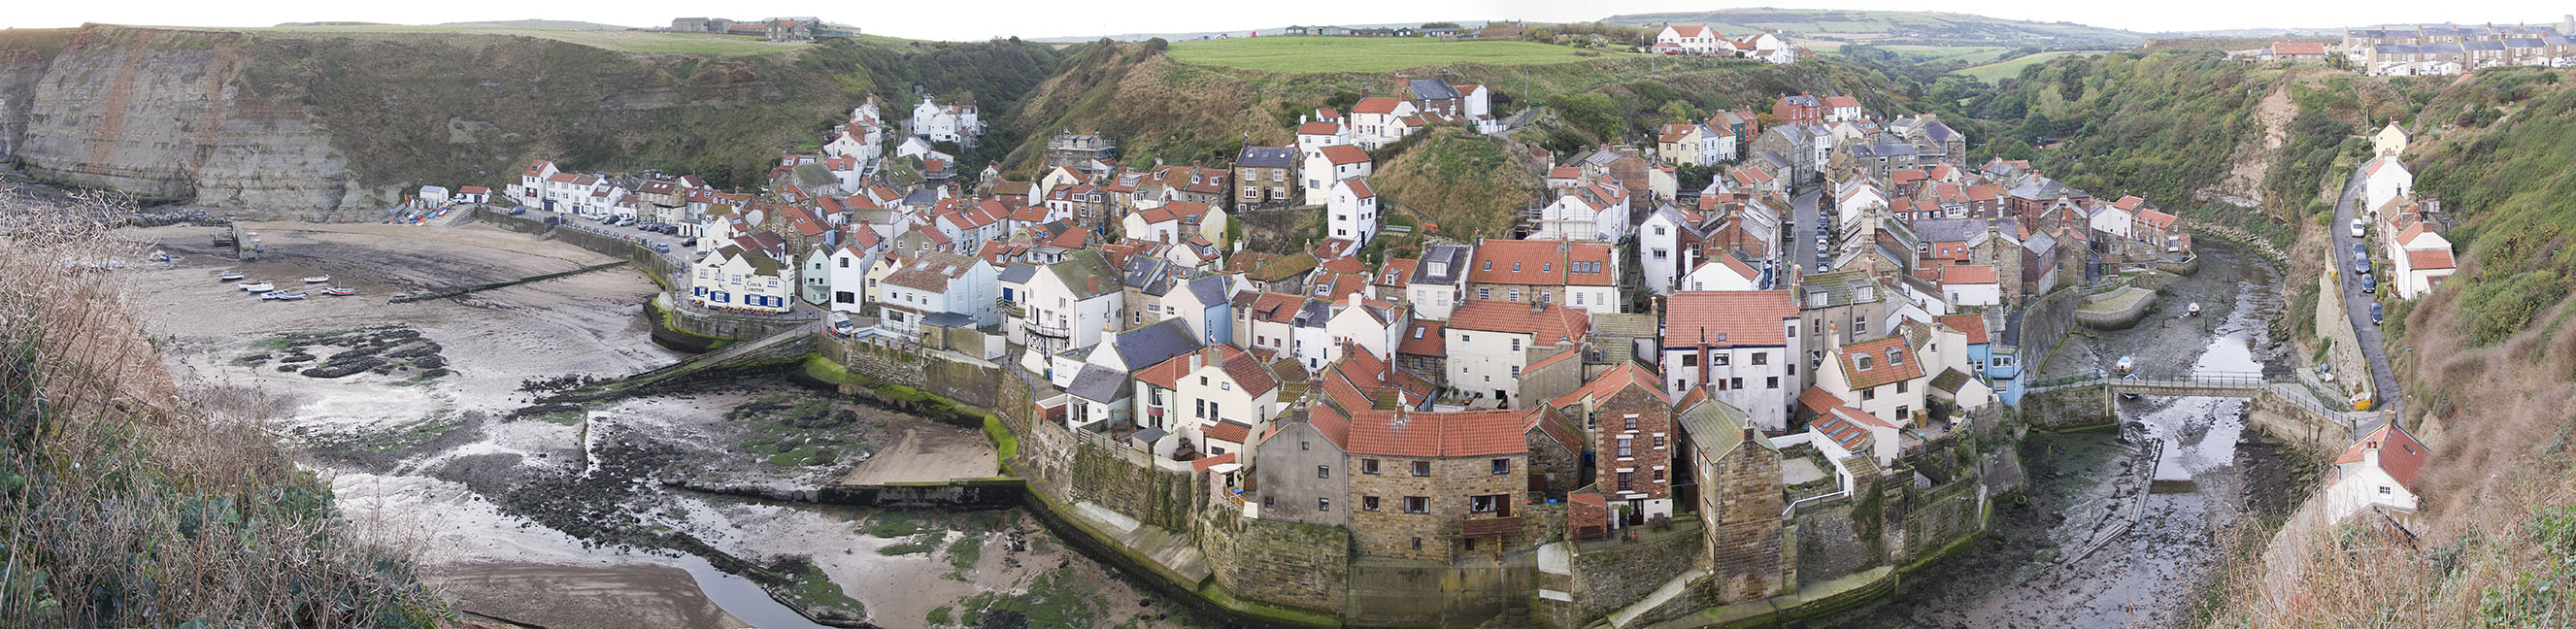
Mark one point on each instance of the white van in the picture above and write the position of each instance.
(2356, 228)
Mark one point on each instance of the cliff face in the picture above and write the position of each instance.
(337, 128)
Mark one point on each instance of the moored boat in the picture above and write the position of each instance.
(336, 291)
(284, 295)
(2127, 364)
(2195, 309)
(316, 279)
(228, 276)
(2129, 395)
(257, 287)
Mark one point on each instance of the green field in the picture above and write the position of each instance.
(1367, 54)
(1994, 72)
(1971, 55)
(643, 42)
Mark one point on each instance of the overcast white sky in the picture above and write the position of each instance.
(979, 19)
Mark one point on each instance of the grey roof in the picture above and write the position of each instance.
(1151, 345)
(2045, 189)
(1938, 132)
(1210, 289)
(1019, 272)
(1840, 287)
(1801, 100)
(2482, 44)
(921, 197)
(1960, 229)
(2039, 243)
(1098, 384)
(2532, 42)
(1313, 314)
(1883, 150)
(1143, 272)
(1713, 427)
(1078, 270)
(1454, 256)
(1266, 157)
(1432, 89)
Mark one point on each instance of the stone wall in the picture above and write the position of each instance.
(1612, 575)
(2044, 321)
(1745, 536)
(1154, 496)
(1934, 519)
(2066, 408)
(2334, 326)
(1436, 535)
(1390, 592)
(1288, 564)
(1830, 544)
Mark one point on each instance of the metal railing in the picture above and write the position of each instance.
(2214, 380)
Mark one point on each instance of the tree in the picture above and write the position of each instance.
(1441, 25)
(1677, 112)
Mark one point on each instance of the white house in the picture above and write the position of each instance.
(1193, 395)
(1372, 328)
(1490, 342)
(1722, 272)
(732, 278)
(1312, 137)
(945, 123)
(1742, 345)
(847, 274)
(1329, 165)
(2422, 260)
(1064, 305)
(1593, 212)
(1842, 431)
(1378, 120)
(939, 289)
(1882, 377)
(1351, 211)
(1666, 247)
(1963, 285)
(1691, 39)
(2113, 221)
(2379, 472)
(2384, 178)
(1439, 281)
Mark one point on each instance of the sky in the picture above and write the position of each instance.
(982, 19)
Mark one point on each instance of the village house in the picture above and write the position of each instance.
(1584, 275)
(2384, 178)
(945, 123)
(1264, 176)
(1061, 306)
(1737, 473)
(1598, 211)
(1378, 120)
(1743, 346)
(1351, 211)
(1692, 39)
(1195, 395)
(1439, 281)
(2421, 260)
(1630, 418)
(1313, 136)
(939, 289)
(1842, 431)
(1331, 165)
(2293, 52)
(1490, 343)
(736, 277)
(2378, 475)
(1882, 377)
(1437, 486)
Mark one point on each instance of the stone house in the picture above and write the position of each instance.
(1584, 275)
(1437, 486)
(1740, 499)
(1265, 176)
(1285, 472)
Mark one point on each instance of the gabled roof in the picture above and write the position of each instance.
(1155, 343)
(1376, 105)
(1428, 434)
(1432, 89)
(1546, 324)
(1397, 272)
(1973, 326)
(1965, 274)
(1889, 361)
(1423, 339)
(932, 271)
(1543, 263)
(2400, 455)
(1610, 381)
(1340, 154)
(1320, 128)
(1266, 157)
(2428, 259)
(1746, 318)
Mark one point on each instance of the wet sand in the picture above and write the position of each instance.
(568, 597)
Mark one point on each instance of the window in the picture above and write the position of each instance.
(1659, 441)
(2383, 490)
(1627, 446)
(1323, 504)
(1516, 267)
(1492, 503)
(1895, 357)
(1721, 359)
(1417, 543)
(1485, 293)
(1417, 504)
(1421, 468)
(1516, 344)
(1659, 475)
(1502, 466)
(1368, 503)
(1900, 386)
(1761, 358)
(1861, 361)
(1368, 466)
(1302, 445)
(1772, 382)
(1516, 294)
(1628, 422)
(1690, 360)
(1627, 481)
(1201, 406)
(1869, 394)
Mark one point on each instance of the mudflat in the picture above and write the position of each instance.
(583, 597)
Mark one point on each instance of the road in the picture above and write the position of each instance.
(2357, 303)
(680, 254)
(1803, 238)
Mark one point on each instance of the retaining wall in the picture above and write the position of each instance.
(1612, 576)
(2045, 321)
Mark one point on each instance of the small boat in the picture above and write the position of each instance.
(2127, 365)
(336, 291)
(161, 256)
(257, 287)
(2195, 310)
(284, 296)
(228, 276)
(2129, 395)
(316, 279)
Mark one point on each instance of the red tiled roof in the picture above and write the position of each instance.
(1973, 326)
(1425, 434)
(1841, 101)
(2399, 454)
(1734, 318)
(1611, 381)
(1423, 339)
(1565, 172)
(1228, 430)
(1962, 274)
(2298, 48)
(1546, 325)
(1360, 188)
(2428, 259)
(1340, 154)
(1397, 272)
(1884, 362)
(2155, 218)
(1375, 105)
(1816, 400)
(1320, 128)
(1206, 464)
(1690, 31)
(1542, 263)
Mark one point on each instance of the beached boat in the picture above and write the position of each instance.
(316, 279)
(336, 291)
(284, 296)
(257, 287)
(161, 256)
(228, 276)
(2126, 365)
(2195, 310)
(2129, 395)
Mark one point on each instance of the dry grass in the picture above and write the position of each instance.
(132, 502)
(2496, 534)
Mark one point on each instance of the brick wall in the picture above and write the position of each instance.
(1654, 420)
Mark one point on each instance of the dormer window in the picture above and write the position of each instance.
(1861, 362)
(1894, 358)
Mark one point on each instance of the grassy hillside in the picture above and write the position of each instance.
(2011, 68)
(2488, 363)
(644, 42)
(1894, 27)
(1458, 183)
(1368, 54)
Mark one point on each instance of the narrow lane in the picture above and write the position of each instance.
(2357, 303)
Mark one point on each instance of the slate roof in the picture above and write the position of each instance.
(1714, 427)
(1155, 343)
(1451, 258)
(1266, 157)
(1099, 384)
(1432, 89)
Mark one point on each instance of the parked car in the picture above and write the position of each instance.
(2369, 284)
(2374, 313)
(689, 243)
(2360, 263)
(2358, 251)
(2357, 229)
(663, 247)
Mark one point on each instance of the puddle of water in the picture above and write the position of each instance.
(741, 598)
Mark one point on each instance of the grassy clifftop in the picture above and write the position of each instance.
(1459, 182)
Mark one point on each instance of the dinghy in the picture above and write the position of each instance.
(317, 279)
(257, 287)
(228, 276)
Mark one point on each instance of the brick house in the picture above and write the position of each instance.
(1631, 423)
